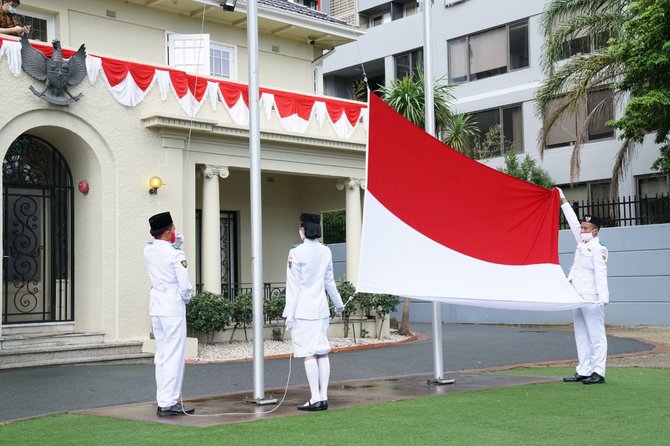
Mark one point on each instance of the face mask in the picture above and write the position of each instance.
(173, 237)
(587, 236)
(301, 233)
(12, 10)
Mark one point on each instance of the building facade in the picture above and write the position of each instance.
(491, 52)
(164, 95)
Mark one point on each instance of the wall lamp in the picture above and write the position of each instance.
(155, 183)
(228, 5)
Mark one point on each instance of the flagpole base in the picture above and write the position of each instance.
(261, 401)
(441, 381)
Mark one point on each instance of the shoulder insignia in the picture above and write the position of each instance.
(177, 248)
(150, 243)
(183, 263)
(290, 262)
(295, 246)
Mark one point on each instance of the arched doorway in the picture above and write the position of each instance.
(38, 234)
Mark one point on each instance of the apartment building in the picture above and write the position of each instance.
(491, 51)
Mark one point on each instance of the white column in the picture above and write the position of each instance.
(352, 188)
(210, 243)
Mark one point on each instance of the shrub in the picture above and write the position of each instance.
(346, 290)
(277, 334)
(241, 313)
(274, 307)
(208, 313)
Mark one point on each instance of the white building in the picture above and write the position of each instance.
(491, 49)
(164, 95)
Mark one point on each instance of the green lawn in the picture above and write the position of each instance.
(632, 408)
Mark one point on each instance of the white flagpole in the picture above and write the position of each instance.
(430, 128)
(256, 207)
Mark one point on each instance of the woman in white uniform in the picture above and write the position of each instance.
(309, 275)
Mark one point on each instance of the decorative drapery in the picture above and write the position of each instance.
(130, 82)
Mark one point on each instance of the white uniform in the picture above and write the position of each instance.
(170, 291)
(588, 276)
(309, 274)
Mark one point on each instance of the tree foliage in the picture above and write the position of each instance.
(644, 47)
(568, 82)
(526, 170)
(406, 96)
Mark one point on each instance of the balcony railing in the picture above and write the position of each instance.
(625, 211)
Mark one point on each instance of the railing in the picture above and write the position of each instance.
(230, 291)
(625, 211)
(334, 232)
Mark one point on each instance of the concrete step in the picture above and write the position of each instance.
(71, 354)
(131, 358)
(41, 327)
(36, 340)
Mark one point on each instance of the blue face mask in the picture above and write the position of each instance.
(12, 10)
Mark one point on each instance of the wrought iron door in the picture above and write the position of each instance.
(38, 230)
(228, 243)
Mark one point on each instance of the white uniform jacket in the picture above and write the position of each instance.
(588, 274)
(309, 274)
(170, 285)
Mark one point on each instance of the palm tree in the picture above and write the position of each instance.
(571, 82)
(460, 133)
(406, 96)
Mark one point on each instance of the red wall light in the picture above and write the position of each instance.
(83, 186)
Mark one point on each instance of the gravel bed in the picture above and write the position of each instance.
(224, 351)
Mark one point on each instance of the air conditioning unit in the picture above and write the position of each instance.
(448, 3)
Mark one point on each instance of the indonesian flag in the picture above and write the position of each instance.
(440, 226)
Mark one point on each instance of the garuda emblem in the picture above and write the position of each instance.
(58, 73)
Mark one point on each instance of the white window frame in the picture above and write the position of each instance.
(203, 67)
(232, 50)
(51, 27)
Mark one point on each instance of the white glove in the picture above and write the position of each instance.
(289, 323)
(560, 192)
(339, 310)
(178, 239)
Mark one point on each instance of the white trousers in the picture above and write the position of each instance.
(591, 340)
(170, 334)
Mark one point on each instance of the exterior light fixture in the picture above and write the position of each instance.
(83, 187)
(228, 5)
(155, 183)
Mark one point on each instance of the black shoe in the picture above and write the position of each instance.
(176, 409)
(575, 378)
(594, 379)
(313, 407)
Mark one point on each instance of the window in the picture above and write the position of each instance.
(411, 9)
(565, 129)
(408, 63)
(195, 53)
(222, 60)
(376, 21)
(654, 204)
(489, 53)
(41, 26)
(189, 52)
(500, 129)
(584, 45)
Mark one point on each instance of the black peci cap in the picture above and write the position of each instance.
(594, 220)
(160, 221)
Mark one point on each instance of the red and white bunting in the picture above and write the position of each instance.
(130, 82)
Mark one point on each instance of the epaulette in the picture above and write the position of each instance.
(178, 248)
(296, 245)
(150, 243)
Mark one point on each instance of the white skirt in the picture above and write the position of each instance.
(310, 337)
